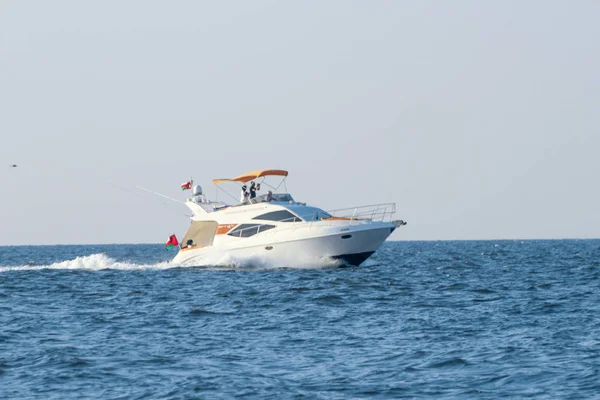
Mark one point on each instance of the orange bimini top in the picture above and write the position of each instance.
(253, 175)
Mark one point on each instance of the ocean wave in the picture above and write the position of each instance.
(93, 262)
(100, 261)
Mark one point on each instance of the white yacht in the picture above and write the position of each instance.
(276, 228)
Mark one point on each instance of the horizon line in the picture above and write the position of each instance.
(387, 241)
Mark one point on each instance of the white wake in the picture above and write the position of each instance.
(100, 261)
(94, 262)
(229, 261)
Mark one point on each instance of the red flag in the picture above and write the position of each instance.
(186, 186)
(172, 241)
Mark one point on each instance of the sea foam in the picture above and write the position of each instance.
(93, 262)
(100, 261)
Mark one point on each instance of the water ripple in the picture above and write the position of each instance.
(467, 320)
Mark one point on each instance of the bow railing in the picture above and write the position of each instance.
(375, 212)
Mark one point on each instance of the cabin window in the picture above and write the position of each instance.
(281, 216)
(247, 230)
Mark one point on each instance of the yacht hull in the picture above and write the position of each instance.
(304, 246)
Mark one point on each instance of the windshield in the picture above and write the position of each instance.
(311, 213)
(285, 197)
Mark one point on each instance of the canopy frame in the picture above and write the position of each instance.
(251, 176)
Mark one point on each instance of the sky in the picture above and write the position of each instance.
(480, 120)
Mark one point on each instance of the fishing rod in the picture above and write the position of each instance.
(160, 194)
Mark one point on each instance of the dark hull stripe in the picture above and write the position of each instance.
(354, 259)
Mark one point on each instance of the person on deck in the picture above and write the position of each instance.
(244, 195)
(269, 197)
(252, 192)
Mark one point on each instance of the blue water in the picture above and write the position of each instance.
(484, 319)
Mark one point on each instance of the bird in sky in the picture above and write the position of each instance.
(14, 165)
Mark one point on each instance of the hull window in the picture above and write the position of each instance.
(247, 230)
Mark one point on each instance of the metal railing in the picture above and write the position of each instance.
(374, 212)
(363, 214)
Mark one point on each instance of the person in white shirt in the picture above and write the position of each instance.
(244, 195)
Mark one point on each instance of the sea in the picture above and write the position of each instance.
(418, 320)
